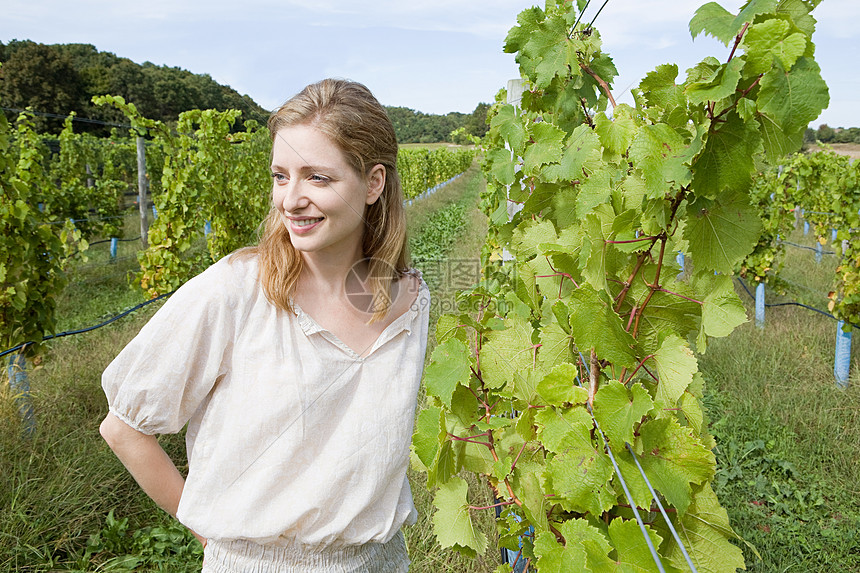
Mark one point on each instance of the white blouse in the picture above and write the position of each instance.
(292, 437)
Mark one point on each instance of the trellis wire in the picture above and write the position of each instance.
(630, 497)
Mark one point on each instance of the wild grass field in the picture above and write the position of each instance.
(788, 440)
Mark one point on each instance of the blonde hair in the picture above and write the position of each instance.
(349, 114)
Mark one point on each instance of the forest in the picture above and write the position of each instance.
(60, 78)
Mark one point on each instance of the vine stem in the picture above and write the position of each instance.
(492, 448)
(602, 83)
(738, 41)
(627, 284)
(459, 439)
(560, 273)
(743, 94)
(593, 378)
(500, 504)
(519, 454)
(630, 241)
(661, 289)
(654, 287)
(632, 374)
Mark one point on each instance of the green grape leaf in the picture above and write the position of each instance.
(594, 191)
(618, 412)
(798, 11)
(529, 21)
(529, 234)
(581, 156)
(505, 353)
(752, 9)
(633, 190)
(510, 127)
(502, 165)
(445, 465)
(449, 366)
(660, 153)
(555, 61)
(580, 532)
(705, 531)
(555, 346)
(660, 90)
(617, 133)
(633, 554)
(426, 436)
(746, 109)
(452, 522)
(545, 149)
(526, 283)
(771, 39)
(691, 411)
(563, 429)
(580, 479)
(722, 309)
(559, 386)
(448, 326)
(534, 501)
(777, 142)
(721, 233)
(715, 21)
(676, 365)
(673, 459)
(552, 556)
(727, 161)
(464, 405)
(793, 100)
(594, 324)
(585, 549)
(720, 85)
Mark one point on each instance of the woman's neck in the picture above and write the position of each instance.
(327, 273)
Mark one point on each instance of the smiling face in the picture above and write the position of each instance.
(321, 198)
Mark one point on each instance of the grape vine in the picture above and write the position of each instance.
(591, 325)
(825, 187)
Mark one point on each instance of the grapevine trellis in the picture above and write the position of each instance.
(822, 191)
(585, 374)
(208, 184)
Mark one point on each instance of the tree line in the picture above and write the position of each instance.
(61, 78)
(827, 134)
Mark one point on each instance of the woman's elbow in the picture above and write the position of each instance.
(115, 431)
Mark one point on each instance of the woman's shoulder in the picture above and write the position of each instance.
(231, 276)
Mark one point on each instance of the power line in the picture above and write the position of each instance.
(58, 116)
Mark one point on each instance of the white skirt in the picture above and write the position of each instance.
(242, 556)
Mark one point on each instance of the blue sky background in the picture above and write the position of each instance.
(435, 56)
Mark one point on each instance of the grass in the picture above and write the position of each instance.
(59, 488)
(788, 439)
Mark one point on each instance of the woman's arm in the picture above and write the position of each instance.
(147, 462)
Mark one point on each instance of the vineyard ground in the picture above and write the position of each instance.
(58, 489)
(788, 440)
(852, 150)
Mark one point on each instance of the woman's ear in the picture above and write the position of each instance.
(375, 183)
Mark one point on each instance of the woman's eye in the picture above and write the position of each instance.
(319, 178)
(279, 177)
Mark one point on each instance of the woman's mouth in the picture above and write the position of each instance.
(306, 222)
(300, 226)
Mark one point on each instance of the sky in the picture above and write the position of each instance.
(434, 56)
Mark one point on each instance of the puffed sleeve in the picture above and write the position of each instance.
(160, 378)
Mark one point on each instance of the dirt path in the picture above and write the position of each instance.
(852, 150)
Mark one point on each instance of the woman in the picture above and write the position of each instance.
(295, 363)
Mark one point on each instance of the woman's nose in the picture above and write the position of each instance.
(292, 196)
